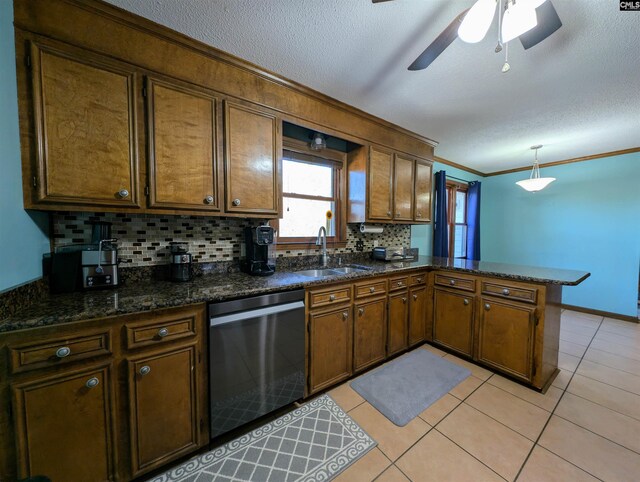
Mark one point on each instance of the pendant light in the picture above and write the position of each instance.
(518, 18)
(318, 142)
(535, 183)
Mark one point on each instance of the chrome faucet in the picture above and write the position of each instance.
(322, 241)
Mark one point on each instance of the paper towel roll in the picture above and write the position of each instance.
(370, 229)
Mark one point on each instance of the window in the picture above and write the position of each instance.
(457, 219)
(310, 187)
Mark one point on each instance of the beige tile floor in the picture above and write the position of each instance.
(586, 427)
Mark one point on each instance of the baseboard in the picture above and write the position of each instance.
(608, 314)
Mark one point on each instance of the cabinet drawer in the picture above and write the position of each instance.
(329, 296)
(417, 279)
(398, 283)
(371, 288)
(160, 331)
(502, 290)
(60, 351)
(455, 282)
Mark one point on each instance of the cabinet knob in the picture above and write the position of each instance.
(236, 202)
(419, 280)
(92, 382)
(398, 214)
(419, 214)
(345, 315)
(162, 332)
(123, 194)
(63, 351)
(144, 370)
(208, 199)
(404, 300)
(372, 290)
(505, 292)
(415, 297)
(389, 213)
(452, 282)
(332, 297)
(361, 311)
(466, 302)
(487, 307)
(399, 283)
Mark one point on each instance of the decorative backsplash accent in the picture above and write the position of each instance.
(143, 239)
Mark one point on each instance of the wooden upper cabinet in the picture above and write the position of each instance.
(380, 184)
(422, 192)
(403, 188)
(64, 425)
(85, 123)
(252, 150)
(183, 147)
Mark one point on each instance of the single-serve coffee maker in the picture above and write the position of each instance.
(181, 259)
(99, 260)
(260, 251)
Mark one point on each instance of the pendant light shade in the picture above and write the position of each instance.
(519, 18)
(535, 183)
(477, 21)
(318, 142)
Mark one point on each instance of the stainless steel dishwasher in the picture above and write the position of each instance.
(256, 357)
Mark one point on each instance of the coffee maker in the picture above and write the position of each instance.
(181, 259)
(260, 251)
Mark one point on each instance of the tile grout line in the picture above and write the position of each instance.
(535, 444)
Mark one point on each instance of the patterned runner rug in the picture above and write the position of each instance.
(314, 442)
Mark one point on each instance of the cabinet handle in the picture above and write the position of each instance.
(372, 290)
(389, 213)
(208, 199)
(506, 292)
(345, 315)
(332, 297)
(466, 302)
(63, 351)
(452, 282)
(404, 300)
(144, 370)
(361, 311)
(236, 202)
(92, 382)
(123, 193)
(487, 307)
(162, 332)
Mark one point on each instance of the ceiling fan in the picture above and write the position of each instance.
(530, 20)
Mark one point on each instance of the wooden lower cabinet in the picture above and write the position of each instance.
(506, 336)
(418, 303)
(398, 311)
(64, 425)
(370, 333)
(453, 320)
(330, 347)
(163, 400)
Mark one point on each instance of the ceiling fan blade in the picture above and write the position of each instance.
(548, 22)
(438, 46)
(380, 1)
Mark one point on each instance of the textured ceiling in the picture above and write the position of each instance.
(576, 92)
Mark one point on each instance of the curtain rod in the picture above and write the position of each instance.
(458, 179)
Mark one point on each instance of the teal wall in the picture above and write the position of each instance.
(589, 219)
(23, 236)
(422, 235)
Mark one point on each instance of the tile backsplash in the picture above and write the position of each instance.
(143, 239)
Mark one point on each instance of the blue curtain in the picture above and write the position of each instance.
(473, 221)
(440, 232)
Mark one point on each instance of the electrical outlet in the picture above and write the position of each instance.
(376, 243)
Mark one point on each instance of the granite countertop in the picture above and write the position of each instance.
(148, 295)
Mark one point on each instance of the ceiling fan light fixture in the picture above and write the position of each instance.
(477, 21)
(518, 18)
(535, 183)
(318, 142)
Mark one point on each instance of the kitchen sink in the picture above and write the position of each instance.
(322, 273)
(348, 269)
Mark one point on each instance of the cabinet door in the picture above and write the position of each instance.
(183, 148)
(417, 315)
(423, 176)
(453, 320)
(64, 426)
(397, 334)
(506, 335)
(330, 347)
(380, 185)
(252, 148)
(370, 333)
(85, 118)
(403, 188)
(165, 414)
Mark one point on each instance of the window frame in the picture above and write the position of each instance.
(452, 188)
(296, 150)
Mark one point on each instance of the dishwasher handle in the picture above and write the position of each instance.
(246, 315)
